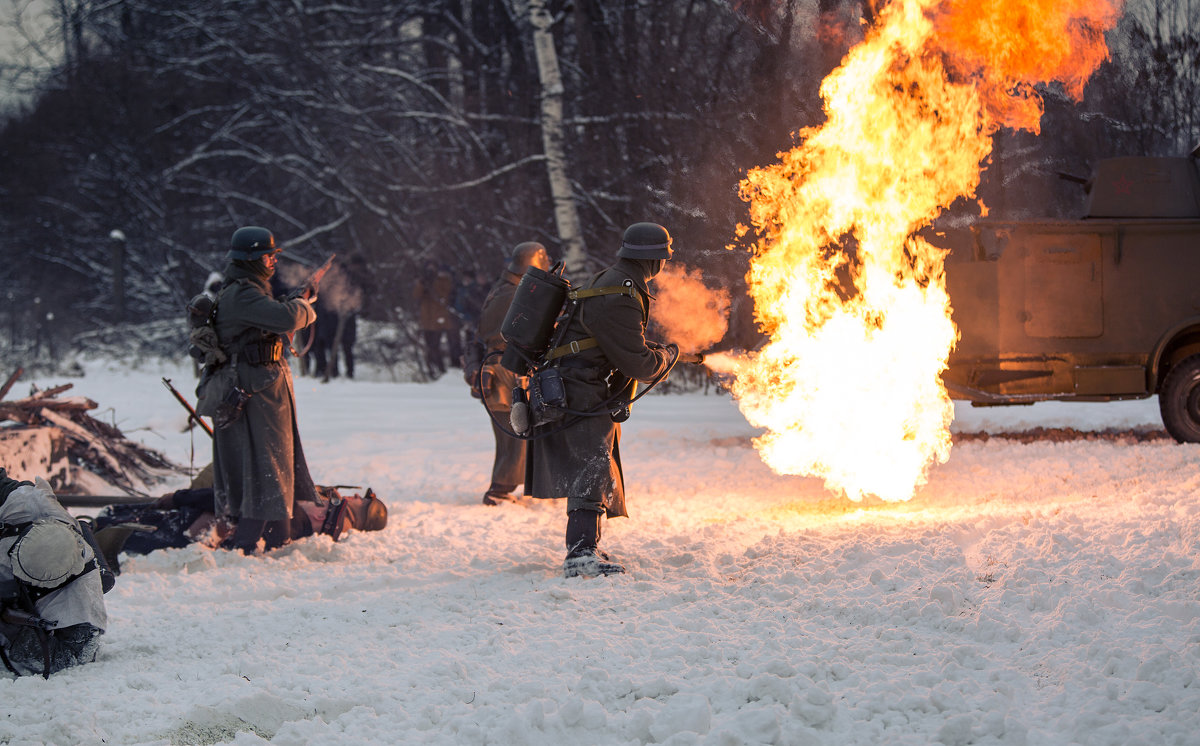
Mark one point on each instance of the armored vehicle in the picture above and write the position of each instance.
(1102, 308)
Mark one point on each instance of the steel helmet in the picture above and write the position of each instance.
(251, 242)
(645, 241)
(526, 255)
(49, 553)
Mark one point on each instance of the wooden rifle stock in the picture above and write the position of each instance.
(192, 416)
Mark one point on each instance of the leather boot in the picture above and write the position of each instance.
(583, 558)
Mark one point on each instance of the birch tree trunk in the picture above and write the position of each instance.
(566, 217)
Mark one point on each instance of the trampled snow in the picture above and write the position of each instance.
(1039, 592)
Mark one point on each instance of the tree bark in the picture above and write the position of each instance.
(566, 216)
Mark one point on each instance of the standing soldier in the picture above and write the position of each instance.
(608, 354)
(436, 319)
(258, 463)
(494, 383)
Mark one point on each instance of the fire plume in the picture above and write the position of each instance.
(848, 386)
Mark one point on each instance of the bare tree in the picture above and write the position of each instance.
(565, 215)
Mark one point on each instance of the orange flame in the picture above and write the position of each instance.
(848, 387)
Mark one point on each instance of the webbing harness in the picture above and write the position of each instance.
(587, 343)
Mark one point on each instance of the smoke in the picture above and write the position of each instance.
(336, 292)
(688, 312)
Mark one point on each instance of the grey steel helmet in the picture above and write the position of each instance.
(645, 241)
(251, 242)
(49, 553)
(526, 255)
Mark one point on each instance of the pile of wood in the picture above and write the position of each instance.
(53, 436)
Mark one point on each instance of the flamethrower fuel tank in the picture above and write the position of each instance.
(530, 319)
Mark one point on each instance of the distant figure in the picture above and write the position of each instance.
(468, 302)
(436, 319)
(324, 331)
(493, 382)
(51, 593)
(355, 288)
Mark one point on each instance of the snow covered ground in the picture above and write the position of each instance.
(1045, 592)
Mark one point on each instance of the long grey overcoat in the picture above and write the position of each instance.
(508, 468)
(583, 462)
(258, 462)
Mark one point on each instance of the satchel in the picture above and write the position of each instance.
(218, 395)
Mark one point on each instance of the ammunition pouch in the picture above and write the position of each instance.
(547, 396)
(263, 353)
(219, 396)
(230, 408)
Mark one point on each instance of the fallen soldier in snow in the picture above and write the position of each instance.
(189, 517)
(51, 592)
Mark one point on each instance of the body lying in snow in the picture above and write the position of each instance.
(189, 516)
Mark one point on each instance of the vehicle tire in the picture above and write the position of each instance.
(1179, 400)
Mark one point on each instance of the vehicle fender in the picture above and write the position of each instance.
(1177, 343)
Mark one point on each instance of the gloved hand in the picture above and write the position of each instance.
(471, 376)
(307, 293)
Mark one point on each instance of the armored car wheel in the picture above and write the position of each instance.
(1179, 400)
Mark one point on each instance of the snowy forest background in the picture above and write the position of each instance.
(140, 133)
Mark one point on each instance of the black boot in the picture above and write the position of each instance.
(498, 493)
(245, 536)
(583, 558)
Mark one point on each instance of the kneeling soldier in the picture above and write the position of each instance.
(51, 593)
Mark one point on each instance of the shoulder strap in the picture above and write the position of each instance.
(14, 529)
(623, 289)
(571, 348)
(587, 343)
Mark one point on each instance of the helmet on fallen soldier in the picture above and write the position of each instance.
(49, 553)
(366, 513)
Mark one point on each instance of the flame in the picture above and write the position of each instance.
(687, 311)
(848, 386)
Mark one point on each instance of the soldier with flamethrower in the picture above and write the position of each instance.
(582, 386)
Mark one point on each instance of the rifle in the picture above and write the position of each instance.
(314, 280)
(309, 290)
(21, 618)
(102, 501)
(192, 416)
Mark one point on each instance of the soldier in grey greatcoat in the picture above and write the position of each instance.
(492, 381)
(258, 462)
(583, 462)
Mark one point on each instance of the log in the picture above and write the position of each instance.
(21, 409)
(80, 434)
(11, 380)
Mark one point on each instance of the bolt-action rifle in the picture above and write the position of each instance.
(309, 290)
(192, 416)
(102, 501)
